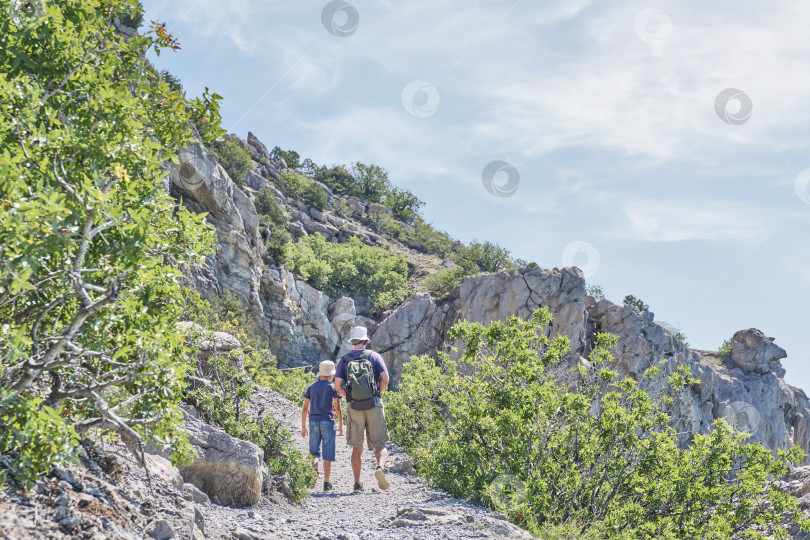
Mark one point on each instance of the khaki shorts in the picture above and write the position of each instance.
(370, 422)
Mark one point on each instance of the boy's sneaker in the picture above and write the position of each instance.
(379, 474)
(327, 486)
(358, 487)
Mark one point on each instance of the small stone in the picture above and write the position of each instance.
(160, 530)
(69, 523)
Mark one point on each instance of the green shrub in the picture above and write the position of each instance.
(342, 208)
(236, 161)
(593, 449)
(291, 157)
(725, 350)
(275, 220)
(483, 257)
(444, 281)
(434, 240)
(351, 268)
(90, 242)
(338, 179)
(631, 300)
(595, 291)
(290, 383)
(301, 187)
(385, 224)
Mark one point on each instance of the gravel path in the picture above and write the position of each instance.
(408, 510)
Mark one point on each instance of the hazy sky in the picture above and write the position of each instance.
(660, 146)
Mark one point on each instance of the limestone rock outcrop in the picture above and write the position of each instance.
(227, 468)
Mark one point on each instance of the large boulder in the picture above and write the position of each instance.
(227, 468)
(753, 352)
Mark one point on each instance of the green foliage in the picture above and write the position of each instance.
(483, 257)
(234, 159)
(89, 240)
(173, 81)
(342, 208)
(275, 220)
(725, 350)
(132, 16)
(593, 449)
(337, 178)
(290, 157)
(434, 240)
(404, 204)
(385, 224)
(631, 300)
(222, 405)
(352, 269)
(33, 436)
(595, 291)
(290, 383)
(301, 187)
(444, 281)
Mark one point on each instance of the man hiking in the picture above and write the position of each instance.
(322, 403)
(361, 378)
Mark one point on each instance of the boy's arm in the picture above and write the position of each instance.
(304, 412)
(339, 415)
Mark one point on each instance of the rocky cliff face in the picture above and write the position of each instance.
(304, 326)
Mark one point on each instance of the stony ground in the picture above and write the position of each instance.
(408, 510)
(109, 496)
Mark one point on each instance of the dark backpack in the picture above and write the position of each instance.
(360, 387)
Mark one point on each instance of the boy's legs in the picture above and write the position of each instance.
(328, 430)
(315, 444)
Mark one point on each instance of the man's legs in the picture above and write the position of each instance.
(381, 453)
(357, 462)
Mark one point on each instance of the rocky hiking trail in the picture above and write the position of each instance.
(408, 510)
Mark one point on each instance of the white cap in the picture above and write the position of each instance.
(358, 333)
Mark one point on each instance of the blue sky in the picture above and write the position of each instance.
(633, 162)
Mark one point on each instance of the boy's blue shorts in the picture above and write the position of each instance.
(322, 432)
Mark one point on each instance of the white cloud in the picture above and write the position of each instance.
(670, 221)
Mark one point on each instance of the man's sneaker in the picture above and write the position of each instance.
(379, 474)
(327, 486)
(358, 487)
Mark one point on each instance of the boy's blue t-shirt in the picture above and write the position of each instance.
(320, 395)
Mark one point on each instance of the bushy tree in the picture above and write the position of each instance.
(89, 239)
(589, 447)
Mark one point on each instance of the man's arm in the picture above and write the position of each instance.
(339, 416)
(339, 387)
(384, 378)
(304, 413)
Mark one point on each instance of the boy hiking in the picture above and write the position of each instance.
(365, 377)
(322, 403)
